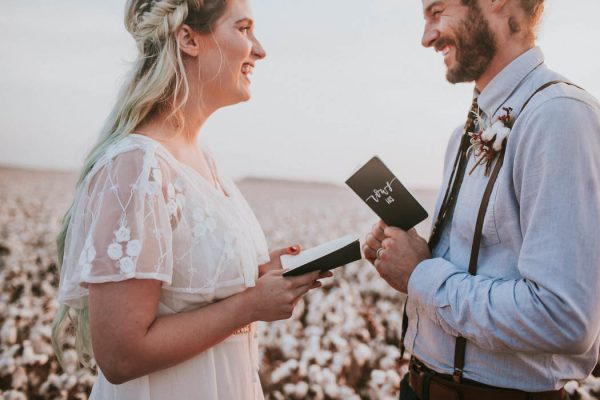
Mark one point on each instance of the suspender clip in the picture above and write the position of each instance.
(457, 375)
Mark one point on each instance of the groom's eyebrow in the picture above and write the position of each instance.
(429, 7)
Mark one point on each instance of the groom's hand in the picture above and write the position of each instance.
(373, 241)
(401, 253)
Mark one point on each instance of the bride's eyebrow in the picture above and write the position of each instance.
(246, 20)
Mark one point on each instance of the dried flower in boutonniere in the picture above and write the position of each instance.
(487, 143)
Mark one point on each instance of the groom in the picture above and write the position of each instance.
(503, 300)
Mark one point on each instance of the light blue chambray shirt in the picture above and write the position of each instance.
(531, 316)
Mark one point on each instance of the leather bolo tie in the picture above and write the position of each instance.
(449, 202)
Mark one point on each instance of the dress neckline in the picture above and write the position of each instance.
(221, 191)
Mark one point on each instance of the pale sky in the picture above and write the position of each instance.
(343, 80)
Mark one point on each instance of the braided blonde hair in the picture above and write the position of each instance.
(156, 84)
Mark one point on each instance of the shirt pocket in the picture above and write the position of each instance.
(467, 210)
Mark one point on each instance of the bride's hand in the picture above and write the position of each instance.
(275, 262)
(275, 296)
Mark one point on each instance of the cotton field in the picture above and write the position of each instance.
(341, 343)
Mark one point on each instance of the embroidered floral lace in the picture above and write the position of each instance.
(142, 214)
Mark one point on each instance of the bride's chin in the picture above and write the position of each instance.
(244, 95)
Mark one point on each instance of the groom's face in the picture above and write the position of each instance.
(462, 35)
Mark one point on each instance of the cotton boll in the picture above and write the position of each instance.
(8, 334)
(29, 357)
(389, 361)
(593, 383)
(14, 395)
(279, 374)
(314, 344)
(339, 342)
(348, 326)
(503, 133)
(362, 353)
(317, 392)
(332, 390)
(303, 368)
(70, 382)
(301, 390)
(347, 393)
(571, 387)
(86, 378)
(340, 360)
(314, 373)
(7, 365)
(314, 331)
(70, 360)
(488, 134)
(323, 357)
(393, 377)
(288, 346)
(289, 389)
(327, 376)
(278, 395)
(291, 365)
(19, 378)
(378, 377)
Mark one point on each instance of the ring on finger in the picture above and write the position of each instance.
(379, 251)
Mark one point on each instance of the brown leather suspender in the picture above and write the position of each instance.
(461, 343)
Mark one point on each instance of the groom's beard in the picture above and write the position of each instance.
(475, 49)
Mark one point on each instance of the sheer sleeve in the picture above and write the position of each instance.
(121, 226)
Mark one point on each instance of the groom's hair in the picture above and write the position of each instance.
(531, 10)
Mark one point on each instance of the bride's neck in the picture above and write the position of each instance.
(168, 130)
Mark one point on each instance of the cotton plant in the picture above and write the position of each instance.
(341, 343)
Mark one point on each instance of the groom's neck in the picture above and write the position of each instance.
(507, 53)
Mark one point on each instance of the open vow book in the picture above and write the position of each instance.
(324, 257)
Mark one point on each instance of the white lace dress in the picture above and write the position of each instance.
(142, 214)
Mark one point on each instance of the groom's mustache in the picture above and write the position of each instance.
(443, 42)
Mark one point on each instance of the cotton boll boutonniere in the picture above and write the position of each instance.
(487, 143)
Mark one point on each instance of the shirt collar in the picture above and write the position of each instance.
(504, 84)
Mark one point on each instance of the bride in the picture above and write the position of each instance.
(165, 268)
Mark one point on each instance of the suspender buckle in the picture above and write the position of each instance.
(457, 375)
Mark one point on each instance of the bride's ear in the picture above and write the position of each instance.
(188, 40)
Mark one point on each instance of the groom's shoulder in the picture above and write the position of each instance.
(561, 115)
(562, 100)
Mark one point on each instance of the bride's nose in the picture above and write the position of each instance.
(257, 50)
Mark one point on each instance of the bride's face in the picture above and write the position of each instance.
(228, 56)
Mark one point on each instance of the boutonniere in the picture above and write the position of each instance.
(487, 143)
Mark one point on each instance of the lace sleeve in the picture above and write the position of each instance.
(121, 226)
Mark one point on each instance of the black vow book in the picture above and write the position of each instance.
(324, 257)
(377, 186)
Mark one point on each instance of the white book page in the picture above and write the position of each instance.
(290, 262)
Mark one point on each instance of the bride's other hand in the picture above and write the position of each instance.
(275, 262)
(275, 296)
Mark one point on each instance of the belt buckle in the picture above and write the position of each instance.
(418, 366)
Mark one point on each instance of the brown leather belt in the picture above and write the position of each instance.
(430, 385)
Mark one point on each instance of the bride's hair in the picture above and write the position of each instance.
(157, 84)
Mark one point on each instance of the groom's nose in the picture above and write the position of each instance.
(430, 35)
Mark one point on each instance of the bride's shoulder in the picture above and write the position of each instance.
(133, 159)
